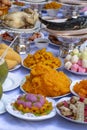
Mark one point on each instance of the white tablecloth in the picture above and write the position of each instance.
(8, 122)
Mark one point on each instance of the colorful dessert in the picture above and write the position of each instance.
(75, 108)
(35, 104)
(76, 60)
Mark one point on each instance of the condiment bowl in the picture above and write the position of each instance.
(41, 42)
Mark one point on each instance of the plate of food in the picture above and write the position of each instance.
(54, 97)
(34, 107)
(15, 22)
(28, 29)
(72, 109)
(8, 38)
(76, 62)
(11, 82)
(45, 78)
(35, 35)
(63, 26)
(13, 59)
(78, 88)
(45, 57)
(76, 73)
(15, 67)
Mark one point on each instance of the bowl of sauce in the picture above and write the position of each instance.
(41, 42)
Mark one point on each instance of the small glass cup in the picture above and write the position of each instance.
(24, 45)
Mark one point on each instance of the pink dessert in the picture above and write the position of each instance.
(75, 67)
(79, 62)
(81, 69)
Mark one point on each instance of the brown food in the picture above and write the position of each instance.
(34, 36)
(54, 40)
(7, 36)
(18, 3)
(4, 10)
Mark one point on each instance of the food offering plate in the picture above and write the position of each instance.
(77, 73)
(27, 30)
(72, 87)
(64, 26)
(12, 82)
(56, 97)
(29, 116)
(55, 68)
(71, 2)
(67, 118)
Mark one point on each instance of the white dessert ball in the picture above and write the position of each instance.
(68, 65)
(68, 57)
(74, 59)
(75, 51)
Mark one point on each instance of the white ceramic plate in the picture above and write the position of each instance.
(3, 102)
(77, 73)
(23, 81)
(16, 67)
(29, 116)
(69, 119)
(72, 86)
(11, 82)
(36, 1)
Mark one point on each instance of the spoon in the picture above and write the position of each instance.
(5, 52)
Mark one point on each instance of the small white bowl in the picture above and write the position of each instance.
(52, 12)
(41, 42)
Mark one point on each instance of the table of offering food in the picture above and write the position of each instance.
(45, 86)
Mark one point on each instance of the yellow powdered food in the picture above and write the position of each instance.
(47, 81)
